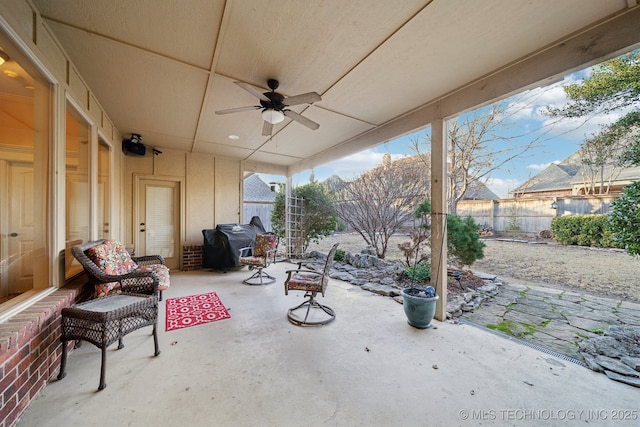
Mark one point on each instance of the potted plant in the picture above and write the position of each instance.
(419, 300)
(463, 249)
(419, 306)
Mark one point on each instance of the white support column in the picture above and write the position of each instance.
(439, 215)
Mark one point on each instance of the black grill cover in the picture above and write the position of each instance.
(221, 245)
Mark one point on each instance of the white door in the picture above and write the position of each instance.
(158, 220)
(17, 276)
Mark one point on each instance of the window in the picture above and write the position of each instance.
(78, 202)
(104, 190)
(25, 107)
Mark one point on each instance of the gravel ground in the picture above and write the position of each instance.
(602, 272)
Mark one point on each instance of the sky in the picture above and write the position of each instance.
(524, 120)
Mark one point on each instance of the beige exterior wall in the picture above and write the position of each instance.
(211, 186)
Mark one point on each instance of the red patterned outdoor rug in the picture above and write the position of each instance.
(194, 310)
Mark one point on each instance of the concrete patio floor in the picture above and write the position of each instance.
(368, 367)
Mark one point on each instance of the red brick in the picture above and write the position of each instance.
(25, 363)
(8, 378)
(37, 387)
(6, 409)
(17, 411)
(7, 350)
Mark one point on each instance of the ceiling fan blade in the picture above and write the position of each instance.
(267, 128)
(301, 119)
(252, 90)
(305, 98)
(238, 109)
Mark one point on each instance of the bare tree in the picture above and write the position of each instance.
(478, 143)
(379, 202)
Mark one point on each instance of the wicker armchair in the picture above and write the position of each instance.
(111, 269)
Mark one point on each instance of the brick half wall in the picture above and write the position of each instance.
(191, 257)
(30, 351)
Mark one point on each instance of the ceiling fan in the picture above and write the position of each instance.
(274, 106)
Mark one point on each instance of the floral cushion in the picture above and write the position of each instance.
(264, 243)
(104, 289)
(112, 258)
(162, 271)
(251, 260)
(307, 281)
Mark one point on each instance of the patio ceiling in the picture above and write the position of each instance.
(162, 68)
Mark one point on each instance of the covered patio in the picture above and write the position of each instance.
(368, 367)
(80, 78)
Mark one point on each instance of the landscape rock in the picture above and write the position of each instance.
(380, 289)
(633, 362)
(591, 363)
(615, 354)
(634, 381)
(615, 365)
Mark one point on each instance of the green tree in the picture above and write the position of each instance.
(624, 219)
(463, 241)
(319, 216)
(612, 86)
(464, 246)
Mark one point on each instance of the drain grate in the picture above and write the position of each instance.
(527, 344)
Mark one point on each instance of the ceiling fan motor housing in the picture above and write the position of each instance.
(274, 102)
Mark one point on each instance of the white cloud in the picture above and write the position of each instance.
(353, 165)
(502, 187)
(542, 166)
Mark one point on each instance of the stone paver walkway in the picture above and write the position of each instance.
(553, 319)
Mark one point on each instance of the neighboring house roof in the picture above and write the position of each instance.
(571, 172)
(256, 190)
(553, 177)
(476, 190)
(479, 191)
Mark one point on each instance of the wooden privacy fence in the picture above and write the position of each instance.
(261, 210)
(530, 215)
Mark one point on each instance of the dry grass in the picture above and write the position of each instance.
(600, 272)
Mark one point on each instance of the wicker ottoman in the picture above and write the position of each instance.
(102, 321)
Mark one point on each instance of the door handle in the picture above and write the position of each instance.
(13, 234)
(142, 231)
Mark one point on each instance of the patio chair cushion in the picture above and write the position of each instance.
(162, 271)
(104, 289)
(265, 245)
(112, 258)
(307, 281)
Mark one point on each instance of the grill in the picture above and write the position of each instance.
(221, 245)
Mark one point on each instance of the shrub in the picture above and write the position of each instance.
(419, 273)
(583, 230)
(624, 219)
(339, 255)
(463, 241)
(319, 218)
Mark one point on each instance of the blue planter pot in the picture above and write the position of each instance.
(419, 309)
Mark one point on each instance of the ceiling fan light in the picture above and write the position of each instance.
(272, 116)
(3, 57)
